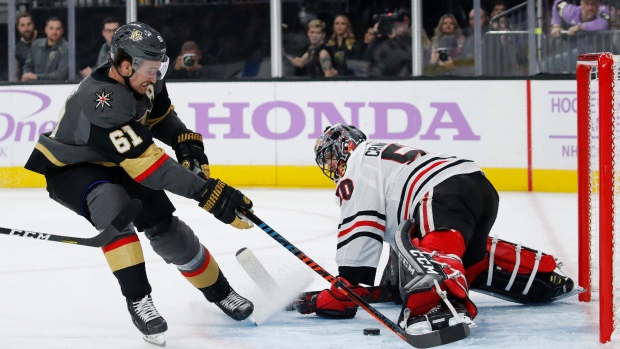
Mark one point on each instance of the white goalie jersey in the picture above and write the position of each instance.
(381, 187)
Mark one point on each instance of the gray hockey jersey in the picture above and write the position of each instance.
(103, 122)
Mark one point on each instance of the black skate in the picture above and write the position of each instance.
(147, 320)
(562, 286)
(236, 306)
(438, 318)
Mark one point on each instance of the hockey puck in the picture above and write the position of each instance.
(371, 332)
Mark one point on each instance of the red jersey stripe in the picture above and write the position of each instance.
(151, 169)
(362, 224)
(415, 181)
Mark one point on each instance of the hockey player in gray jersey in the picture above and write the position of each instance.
(102, 154)
(435, 211)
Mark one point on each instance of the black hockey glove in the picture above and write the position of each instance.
(221, 200)
(190, 153)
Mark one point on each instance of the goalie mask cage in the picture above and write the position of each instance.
(598, 167)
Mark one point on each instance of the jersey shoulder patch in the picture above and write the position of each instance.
(106, 104)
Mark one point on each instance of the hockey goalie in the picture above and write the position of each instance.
(436, 212)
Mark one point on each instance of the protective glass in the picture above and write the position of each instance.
(152, 69)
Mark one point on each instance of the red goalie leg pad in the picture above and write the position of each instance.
(505, 257)
(446, 248)
(446, 242)
(332, 303)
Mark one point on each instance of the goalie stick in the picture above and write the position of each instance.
(443, 336)
(124, 217)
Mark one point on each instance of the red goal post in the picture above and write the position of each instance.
(598, 167)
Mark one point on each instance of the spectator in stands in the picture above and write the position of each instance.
(342, 46)
(389, 53)
(187, 65)
(614, 19)
(498, 7)
(110, 24)
(368, 36)
(578, 23)
(48, 58)
(447, 43)
(589, 16)
(316, 61)
(484, 23)
(467, 54)
(27, 35)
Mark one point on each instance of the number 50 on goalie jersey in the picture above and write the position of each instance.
(383, 184)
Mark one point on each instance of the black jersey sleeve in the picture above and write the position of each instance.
(163, 121)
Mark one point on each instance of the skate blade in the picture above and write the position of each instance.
(156, 339)
(574, 291)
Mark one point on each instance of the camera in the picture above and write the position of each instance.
(443, 54)
(188, 59)
(386, 21)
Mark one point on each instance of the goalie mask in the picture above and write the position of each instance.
(334, 147)
(142, 43)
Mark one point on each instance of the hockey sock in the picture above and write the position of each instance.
(125, 258)
(204, 273)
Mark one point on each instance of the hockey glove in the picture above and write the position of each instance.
(331, 303)
(190, 153)
(222, 200)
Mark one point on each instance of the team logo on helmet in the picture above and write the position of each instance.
(136, 35)
(102, 99)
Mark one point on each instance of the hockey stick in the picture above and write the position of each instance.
(257, 272)
(443, 336)
(126, 216)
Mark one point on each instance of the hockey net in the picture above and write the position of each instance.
(598, 164)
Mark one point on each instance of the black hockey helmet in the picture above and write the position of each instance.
(142, 43)
(336, 143)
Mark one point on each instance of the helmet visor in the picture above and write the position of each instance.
(152, 69)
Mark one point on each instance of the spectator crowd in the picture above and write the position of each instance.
(314, 48)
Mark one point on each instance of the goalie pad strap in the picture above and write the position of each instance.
(491, 260)
(533, 274)
(516, 259)
(516, 268)
(514, 272)
(506, 258)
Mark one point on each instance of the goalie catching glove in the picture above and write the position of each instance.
(222, 200)
(190, 152)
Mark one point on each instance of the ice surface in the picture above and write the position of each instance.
(61, 296)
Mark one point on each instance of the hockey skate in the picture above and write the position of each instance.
(236, 306)
(440, 317)
(564, 286)
(147, 320)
